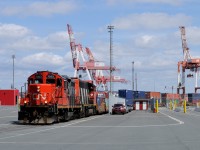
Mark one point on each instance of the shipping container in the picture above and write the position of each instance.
(193, 97)
(156, 95)
(127, 94)
(166, 97)
(154, 99)
(129, 102)
(139, 94)
(170, 96)
(9, 96)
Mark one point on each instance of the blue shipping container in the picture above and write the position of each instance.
(139, 94)
(193, 97)
(129, 102)
(122, 93)
(127, 94)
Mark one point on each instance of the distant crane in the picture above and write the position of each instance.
(189, 63)
(93, 68)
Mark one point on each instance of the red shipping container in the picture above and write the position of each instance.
(150, 95)
(170, 96)
(9, 96)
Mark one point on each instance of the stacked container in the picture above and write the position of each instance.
(154, 96)
(193, 97)
(139, 94)
(166, 97)
(127, 95)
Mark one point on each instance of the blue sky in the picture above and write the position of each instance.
(146, 32)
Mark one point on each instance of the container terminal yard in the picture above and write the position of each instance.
(57, 111)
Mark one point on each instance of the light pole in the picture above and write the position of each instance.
(21, 91)
(133, 75)
(172, 92)
(110, 30)
(136, 81)
(173, 96)
(13, 57)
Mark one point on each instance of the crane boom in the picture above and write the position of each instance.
(90, 55)
(188, 63)
(94, 69)
(72, 45)
(186, 52)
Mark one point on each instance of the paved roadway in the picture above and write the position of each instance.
(138, 130)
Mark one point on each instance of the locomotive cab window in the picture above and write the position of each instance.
(30, 81)
(38, 78)
(37, 81)
(50, 79)
(59, 82)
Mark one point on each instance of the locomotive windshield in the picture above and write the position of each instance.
(50, 79)
(38, 78)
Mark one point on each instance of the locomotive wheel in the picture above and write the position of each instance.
(45, 117)
(25, 120)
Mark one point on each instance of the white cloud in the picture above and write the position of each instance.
(13, 31)
(43, 59)
(40, 9)
(170, 2)
(145, 41)
(151, 21)
(54, 41)
(192, 35)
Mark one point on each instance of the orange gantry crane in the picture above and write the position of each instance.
(192, 64)
(94, 69)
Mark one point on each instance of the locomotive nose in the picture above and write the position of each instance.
(41, 94)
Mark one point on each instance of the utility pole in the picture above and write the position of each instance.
(13, 57)
(110, 30)
(133, 75)
(173, 92)
(136, 81)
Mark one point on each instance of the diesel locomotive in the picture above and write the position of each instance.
(52, 98)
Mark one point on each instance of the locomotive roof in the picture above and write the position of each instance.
(46, 71)
(63, 76)
(66, 77)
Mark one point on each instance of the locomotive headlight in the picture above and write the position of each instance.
(38, 88)
(91, 94)
(45, 102)
(25, 102)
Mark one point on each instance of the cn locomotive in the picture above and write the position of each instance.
(52, 98)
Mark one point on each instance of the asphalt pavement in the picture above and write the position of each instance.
(137, 130)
